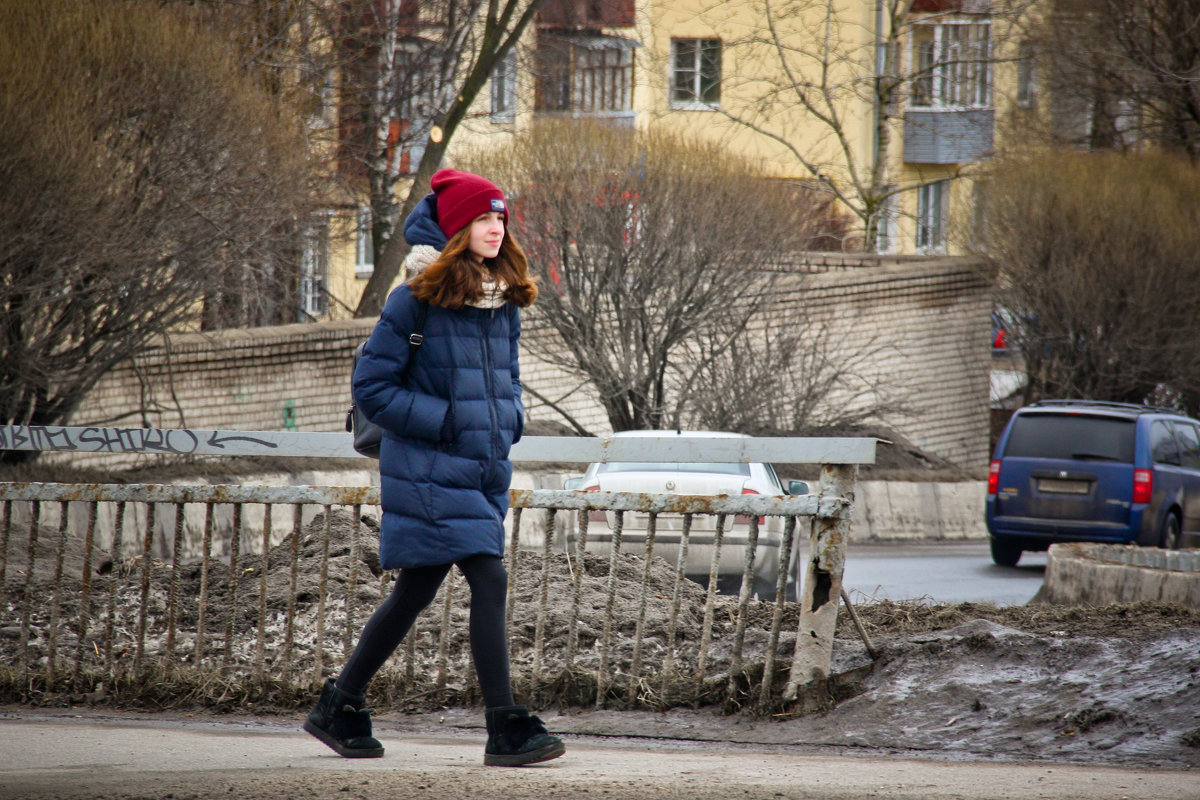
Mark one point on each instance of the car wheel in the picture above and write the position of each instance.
(1170, 533)
(1005, 554)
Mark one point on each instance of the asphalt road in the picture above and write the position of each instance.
(64, 757)
(943, 572)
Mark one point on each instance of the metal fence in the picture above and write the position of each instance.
(94, 592)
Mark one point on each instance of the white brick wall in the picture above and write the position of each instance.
(932, 313)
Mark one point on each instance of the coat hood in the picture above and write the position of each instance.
(422, 232)
(422, 227)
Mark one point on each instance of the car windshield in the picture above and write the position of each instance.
(679, 466)
(1076, 437)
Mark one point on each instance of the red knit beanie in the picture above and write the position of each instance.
(461, 197)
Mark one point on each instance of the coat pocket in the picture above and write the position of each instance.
(448, 433)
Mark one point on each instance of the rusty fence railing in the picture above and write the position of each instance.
(101, 581)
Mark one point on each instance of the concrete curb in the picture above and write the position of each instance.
(1100, 574)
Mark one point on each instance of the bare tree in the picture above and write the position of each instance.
(400, 62)
(650, 253)
(805, 375)
(402, 74)
(1099, 263)
(1120, 73)
(437, 76)
(806, 72)
(143, 171)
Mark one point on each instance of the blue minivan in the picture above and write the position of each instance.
(1092, 471)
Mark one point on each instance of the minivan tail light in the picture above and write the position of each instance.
(1143, 485)
(993, 477)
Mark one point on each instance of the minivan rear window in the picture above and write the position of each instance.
(1071, 437)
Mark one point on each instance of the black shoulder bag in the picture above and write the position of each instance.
(367, 435)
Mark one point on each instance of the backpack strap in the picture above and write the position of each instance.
(416, 338)
(366, 434)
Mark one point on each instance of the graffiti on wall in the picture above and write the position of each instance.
(175, 441)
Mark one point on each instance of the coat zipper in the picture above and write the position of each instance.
(491, 391)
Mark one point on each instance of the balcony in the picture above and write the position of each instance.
(585, 75)
(948, 136)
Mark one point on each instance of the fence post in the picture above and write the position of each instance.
(822, 585)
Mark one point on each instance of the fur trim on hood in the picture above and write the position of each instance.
(422, 232)
(419, 258)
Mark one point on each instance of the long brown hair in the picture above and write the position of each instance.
(456, 279)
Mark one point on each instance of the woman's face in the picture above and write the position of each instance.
(487, 232)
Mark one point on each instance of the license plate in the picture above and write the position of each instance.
(1061, 486)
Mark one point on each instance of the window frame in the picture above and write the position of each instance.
(1026, 75)
(364, 244)
(695, 72)
(314, 271)
(933, 205)
(502, 89)
(942, 78)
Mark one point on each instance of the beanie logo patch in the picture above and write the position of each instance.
(497, 204)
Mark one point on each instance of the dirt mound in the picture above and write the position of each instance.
(987, 690)
(891, 619)
(896, 458)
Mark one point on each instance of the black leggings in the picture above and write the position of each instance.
(414, 590)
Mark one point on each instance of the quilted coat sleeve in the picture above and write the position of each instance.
(380, 389)
(514, 341)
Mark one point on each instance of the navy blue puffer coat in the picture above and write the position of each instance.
(448, 425)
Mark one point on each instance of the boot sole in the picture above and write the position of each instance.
(344, 752)
(521, 759)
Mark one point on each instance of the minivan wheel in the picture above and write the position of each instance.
(1005, 554)
(1170, 534)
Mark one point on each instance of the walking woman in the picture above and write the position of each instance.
(449, 418)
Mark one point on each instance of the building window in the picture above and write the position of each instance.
(932, 202)
(1026, 88)
(401, 117)
(321, 103)
(589, 74)
(886, 232)
(952, 65)
(695, 73)
(503, 85)
(364, 245)
(314, 272)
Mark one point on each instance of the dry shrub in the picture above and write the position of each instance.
(1097, 255)
(146, 181)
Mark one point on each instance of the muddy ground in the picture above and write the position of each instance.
(1117, 685)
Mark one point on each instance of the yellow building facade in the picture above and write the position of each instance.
(891, 106)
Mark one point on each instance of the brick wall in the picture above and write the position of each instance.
(930, 323)
(931, 317)
(273, 378)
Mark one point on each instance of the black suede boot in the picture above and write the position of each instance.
(340, 721)
(515, 737)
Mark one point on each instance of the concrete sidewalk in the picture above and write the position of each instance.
(104, 756)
